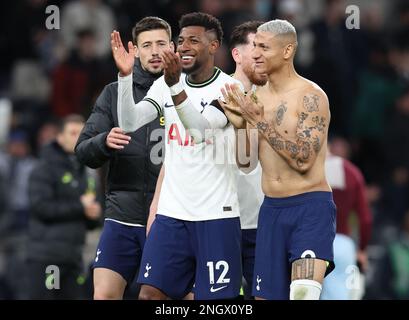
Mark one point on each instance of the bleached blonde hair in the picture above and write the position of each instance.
(279, 27)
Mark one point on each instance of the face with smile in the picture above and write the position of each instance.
(196, 47)
(149, 47)
(270, 52)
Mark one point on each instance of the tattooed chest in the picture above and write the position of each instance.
(281, 116)
(280, 113)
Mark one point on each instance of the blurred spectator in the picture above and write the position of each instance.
(340, 147)
(93, 15)
(47, 133)
(395, 200)
(127, 11)
(16, 166)
(295, 12)
(29, 82)
(21, 23)
(171, 11)
(63, 203)
(74, 83)
(397, 133)
(400, 25)
(339, 54)
(348, 187)
(378, 90)
(393, 273)
(231, 13)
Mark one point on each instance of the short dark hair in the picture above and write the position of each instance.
(240, 33)
(148, 24)
(201, 19)
(71, 118)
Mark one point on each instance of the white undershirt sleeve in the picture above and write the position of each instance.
(131, 115)
(197, 123)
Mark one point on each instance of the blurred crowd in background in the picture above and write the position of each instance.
(48, 74)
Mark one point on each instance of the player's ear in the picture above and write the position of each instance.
(235, 53)
(214, 45)
(289, 51)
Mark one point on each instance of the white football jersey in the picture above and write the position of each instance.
(250, 196)
(200, 181)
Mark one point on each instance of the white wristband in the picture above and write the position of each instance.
(182, 105)
(176, 89)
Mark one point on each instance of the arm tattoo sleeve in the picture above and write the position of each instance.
(308, 132)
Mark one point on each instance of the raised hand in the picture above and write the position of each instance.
(249, 107)
(117, 139)
(172, 67)
(124, 60)
(231, 109)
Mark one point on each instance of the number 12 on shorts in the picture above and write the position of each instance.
(221, 265)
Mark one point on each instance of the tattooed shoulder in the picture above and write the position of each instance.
(311, 102)
(319, 122)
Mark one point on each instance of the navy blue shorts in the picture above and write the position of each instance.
(248, 252)
(181, 253)
(291, 228)
(120, 249)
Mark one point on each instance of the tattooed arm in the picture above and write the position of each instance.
(303, 141)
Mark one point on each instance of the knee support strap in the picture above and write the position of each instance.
(305, 289)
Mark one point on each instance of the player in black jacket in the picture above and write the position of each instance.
(134, 165)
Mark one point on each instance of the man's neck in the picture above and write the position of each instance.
(283, 79)
(202, 74)
(239, 75)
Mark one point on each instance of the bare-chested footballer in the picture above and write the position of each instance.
(297, 219)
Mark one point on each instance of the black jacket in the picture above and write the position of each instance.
(132, 176)
(57, 225)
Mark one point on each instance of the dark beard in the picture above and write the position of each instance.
(192, 69)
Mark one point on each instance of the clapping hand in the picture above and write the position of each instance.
(247, 106)
(124, 60)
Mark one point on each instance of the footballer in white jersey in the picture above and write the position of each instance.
(200, 180)
(195, 237)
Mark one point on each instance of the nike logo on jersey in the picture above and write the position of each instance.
(169, 105)
(216, 289)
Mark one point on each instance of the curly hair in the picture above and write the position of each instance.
(205, 20)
